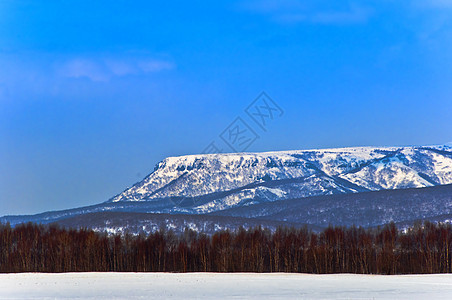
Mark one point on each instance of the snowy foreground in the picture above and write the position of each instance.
(210, 285)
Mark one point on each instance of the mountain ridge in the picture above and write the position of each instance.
(210, 182)
(368, 209)
(292, 186)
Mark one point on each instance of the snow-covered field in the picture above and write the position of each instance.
(209, 285)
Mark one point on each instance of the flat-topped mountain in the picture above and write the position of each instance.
(213, 182)
(365, 186)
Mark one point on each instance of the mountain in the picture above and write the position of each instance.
(365, 186)
(196, 184)
(367, 209)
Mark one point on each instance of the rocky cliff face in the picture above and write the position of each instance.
(214, 182)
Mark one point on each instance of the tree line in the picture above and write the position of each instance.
(424, 248)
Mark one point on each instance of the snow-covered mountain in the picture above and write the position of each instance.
(314, 187)
(404, 207)
(215, 182)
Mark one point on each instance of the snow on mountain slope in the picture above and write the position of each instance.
(213, 182)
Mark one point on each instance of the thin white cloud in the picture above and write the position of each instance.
(155, 65)
(103, 69)
(436, 3)
(354, 15)
(434, 20)
(321, 12)
(120, 68)
(79, 68)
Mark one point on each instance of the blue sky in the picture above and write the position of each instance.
(94, 93)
